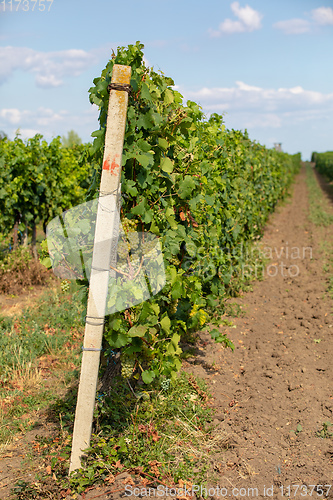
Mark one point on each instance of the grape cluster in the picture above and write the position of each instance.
(147, 247)
(174, 260)
(123, 249)
(173, 306)
(165, 384)
(127, 365)
(129, 225)
(64, 286)
(129, 228)
(133, 239)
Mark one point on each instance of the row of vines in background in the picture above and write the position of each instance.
(324, 163)
(38, 181)
(204, 190)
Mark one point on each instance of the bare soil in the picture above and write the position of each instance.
(13, 304)
(275, 391)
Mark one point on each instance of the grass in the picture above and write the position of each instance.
(43, 341)
(320, 211)
(164, 435)
(321, 215)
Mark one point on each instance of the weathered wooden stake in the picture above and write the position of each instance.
(106, 222)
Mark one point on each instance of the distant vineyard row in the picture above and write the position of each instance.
(324, 163)
(40, 180)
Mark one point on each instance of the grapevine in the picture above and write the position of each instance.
(204, 191)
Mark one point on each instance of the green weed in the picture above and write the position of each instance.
(324, 432)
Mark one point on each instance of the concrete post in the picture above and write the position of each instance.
(106, 223)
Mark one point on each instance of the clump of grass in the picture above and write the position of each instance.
(324, 433)
(163, 435)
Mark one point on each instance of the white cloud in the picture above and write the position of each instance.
(293, 26)
(323, 15)
(263, 107)
(299, 118)
(248, 20)
(48, 122)
(248, 16)
(50, 68)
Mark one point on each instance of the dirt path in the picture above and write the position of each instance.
(279, 378)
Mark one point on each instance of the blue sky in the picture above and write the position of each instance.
(266, 65)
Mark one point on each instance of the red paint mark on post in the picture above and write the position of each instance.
(106, 165)
(113, 168)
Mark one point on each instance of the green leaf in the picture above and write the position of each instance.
(140, 208)
(167, 165)
(177, 290)
(210, 200)
(130, 187)
(148, 216)
(173, 348)
(148, 376)
(168, 96)
(170, 216)
(145, 159)
(145, 121)
(118, 340)
(145, 94)
(116, 324)
(215, 333)
(143, 145)
(163, 143)
(122, 445)
(155, 307)
(186, 187)
(165, 324)
(137, 331)
(46, 262)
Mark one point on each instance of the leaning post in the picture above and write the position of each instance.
(106, 224)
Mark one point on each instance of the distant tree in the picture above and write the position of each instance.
(71, 140)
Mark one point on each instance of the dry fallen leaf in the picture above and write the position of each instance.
(129, 480)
